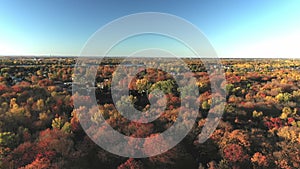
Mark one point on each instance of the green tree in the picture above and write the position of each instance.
(57, 123)
(8, 139)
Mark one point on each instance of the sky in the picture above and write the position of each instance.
(235, 28)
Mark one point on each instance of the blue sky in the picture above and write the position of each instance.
(236, 28)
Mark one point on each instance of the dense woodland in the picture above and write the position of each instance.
(40, 129)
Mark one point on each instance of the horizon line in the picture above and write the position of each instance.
(120, 56)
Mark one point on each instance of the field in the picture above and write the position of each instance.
(40, 128)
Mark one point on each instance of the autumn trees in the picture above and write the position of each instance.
(40, 129)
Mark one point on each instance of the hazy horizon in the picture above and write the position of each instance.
(194, 57)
